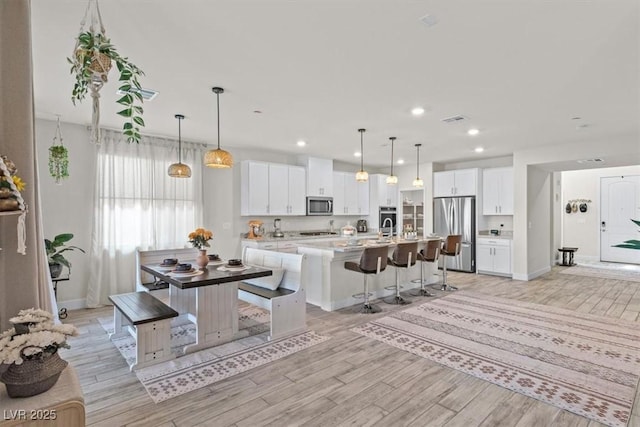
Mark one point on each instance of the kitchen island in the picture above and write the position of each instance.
(331, 287)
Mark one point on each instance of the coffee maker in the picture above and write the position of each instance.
(361, 226)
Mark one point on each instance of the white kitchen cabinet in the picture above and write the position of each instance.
(319, 177)
(272, 189)
(382, 194)
(254, 188)
(349, 196)
(455, 183)
(497, 191)
(493, 256)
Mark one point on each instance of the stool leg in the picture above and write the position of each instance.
(424, 292)
(397, 299)
(445, 285)
(367, 307)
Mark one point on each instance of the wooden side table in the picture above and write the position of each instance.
(567, 256)
(62, 405)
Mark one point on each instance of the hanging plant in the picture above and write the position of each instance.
(58, 162)
(58, 157)
(91, 62)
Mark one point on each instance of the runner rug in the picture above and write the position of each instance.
(191, 372)
(603, 273)
(586, 364)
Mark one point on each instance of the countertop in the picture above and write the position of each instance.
(340, 245)
(505, 235)
(296, 236)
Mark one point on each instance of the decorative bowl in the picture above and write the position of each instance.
(183, 267)
(235, 262)
(170, 261)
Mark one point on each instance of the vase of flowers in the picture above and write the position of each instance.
(32, 356)
(199, 238)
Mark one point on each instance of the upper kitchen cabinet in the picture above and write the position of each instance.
(497, 191)
(319, 177)
(272, 189)
(455, 183)
(381, 193)
(349, 196)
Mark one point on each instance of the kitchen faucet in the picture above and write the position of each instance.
(331, 225)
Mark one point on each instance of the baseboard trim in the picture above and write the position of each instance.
(531, 276)
(73, 304)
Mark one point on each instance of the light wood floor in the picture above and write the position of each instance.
(350, 379)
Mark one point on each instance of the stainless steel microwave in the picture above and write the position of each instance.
(319, 206)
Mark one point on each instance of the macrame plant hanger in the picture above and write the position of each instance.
(100, 66)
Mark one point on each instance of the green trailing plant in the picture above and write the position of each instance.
(91, 63)
(56, 247)
(630, 244)
(58, 162)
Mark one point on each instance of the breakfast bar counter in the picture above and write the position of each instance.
(331, 287)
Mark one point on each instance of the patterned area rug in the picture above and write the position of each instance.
(586, 364)
(191, 372)
(603, 273)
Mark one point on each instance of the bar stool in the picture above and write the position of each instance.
(451, 247)
(404, 256)
(372, 261)
(429, 254)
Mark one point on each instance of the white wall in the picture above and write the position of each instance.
(554, 157)
(68, 207)
(582, 230)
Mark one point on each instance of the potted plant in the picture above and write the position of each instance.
(92, 60)
(30, 349)
(55, 248)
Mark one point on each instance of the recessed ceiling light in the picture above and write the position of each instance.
(357, 154)
(418, 111)
(473, 131)
(401, 161)
(479, 149)
(301, 143)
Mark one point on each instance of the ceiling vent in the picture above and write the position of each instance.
(591, 161)
(147, 94)
(454, 119)
(429, 20)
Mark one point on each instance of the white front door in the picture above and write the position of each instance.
(620, 203)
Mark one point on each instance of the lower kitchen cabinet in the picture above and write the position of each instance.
(493, 256)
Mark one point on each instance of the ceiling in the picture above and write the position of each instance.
(525, 73)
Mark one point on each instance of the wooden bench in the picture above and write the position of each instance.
(287, 303)
(148, 320)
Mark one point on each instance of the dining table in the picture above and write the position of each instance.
(208, 297)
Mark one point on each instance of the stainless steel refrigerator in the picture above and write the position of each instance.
(457, 215)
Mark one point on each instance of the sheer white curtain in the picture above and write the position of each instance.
(137, 205)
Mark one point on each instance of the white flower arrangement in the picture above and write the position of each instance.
(31, 315)
(44, 337)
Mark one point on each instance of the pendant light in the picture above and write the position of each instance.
(362, 175)
(218, 158)
(418, 182)
(392, 179)
(179, 170)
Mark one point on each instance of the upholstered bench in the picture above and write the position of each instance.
(148, 320)
(283, 293)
